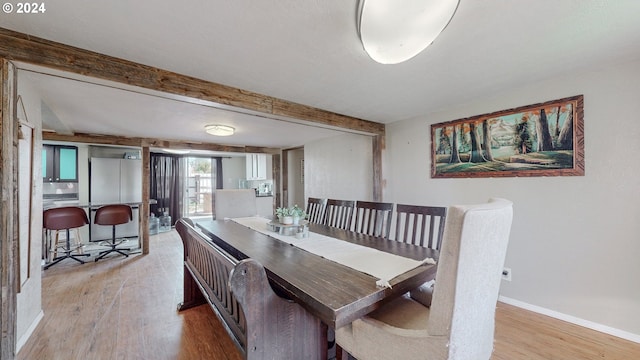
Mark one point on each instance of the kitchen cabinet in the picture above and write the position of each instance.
(256, 166)
(59, 163)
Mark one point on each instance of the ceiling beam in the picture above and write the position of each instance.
(25, 48)
(96, 139)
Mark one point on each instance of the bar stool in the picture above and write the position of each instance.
(65, 218)
(113, 215)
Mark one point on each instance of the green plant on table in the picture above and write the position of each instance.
(298, 212)
(293, 211)
(282, 212)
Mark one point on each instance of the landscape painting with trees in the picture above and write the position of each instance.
(537, 140)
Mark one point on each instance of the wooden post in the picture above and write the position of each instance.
(8, 208)
(277, 177)
(144, 208)
(378, 181)
(285, 178)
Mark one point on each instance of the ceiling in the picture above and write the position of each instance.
(77, 104)
(308, 52)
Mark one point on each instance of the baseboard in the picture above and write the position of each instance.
(27, 334)
(572, 319)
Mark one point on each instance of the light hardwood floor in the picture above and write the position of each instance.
(125, 308)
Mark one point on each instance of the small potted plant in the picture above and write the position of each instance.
(297, 214)
(284, 215)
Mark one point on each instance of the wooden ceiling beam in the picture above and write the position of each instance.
(96, 139)
(29, 49)
(92, 139)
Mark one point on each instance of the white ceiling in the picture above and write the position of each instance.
(308, 52)
(84, 105)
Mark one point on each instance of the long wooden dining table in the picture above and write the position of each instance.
(335, 293)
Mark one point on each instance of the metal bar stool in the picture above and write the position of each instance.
(113, 215)
(65, 218)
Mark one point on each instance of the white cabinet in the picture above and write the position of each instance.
(256, 166)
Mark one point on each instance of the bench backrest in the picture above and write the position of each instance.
(262, 324)
(210, 267)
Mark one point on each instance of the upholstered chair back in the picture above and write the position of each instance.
(469, 274)
(233, 203)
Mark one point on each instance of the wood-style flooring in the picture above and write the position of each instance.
(125, 308)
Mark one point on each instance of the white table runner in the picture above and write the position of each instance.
(379, 264)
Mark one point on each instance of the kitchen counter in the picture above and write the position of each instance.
(87, 205)
(99, 232)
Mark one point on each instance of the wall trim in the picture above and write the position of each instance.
(572, 319)
(27, 334)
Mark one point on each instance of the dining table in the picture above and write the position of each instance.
(335, 293)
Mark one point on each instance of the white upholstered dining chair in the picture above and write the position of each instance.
(233, 203)
(460, 323)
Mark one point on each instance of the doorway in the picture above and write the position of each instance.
(200, 182)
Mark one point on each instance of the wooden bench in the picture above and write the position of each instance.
(262, 324)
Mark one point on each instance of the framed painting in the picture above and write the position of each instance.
(544, 139)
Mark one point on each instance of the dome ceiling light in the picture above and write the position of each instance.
(177, 151)
(394, 31)
(219, 130)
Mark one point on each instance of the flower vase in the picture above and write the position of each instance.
(287, 220)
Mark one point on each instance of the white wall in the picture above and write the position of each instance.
(574, 245)
(339, 168)
(29, 299)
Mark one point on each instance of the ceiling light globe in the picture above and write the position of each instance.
(394, 31)
(219, 130)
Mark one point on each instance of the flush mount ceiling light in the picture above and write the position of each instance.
(177, 151)
(394, 31)
(219, 130)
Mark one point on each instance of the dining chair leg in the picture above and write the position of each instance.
(79, 247)
(55, 244)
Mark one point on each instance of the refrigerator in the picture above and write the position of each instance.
(115, 181)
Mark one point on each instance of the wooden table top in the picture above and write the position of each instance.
(333, 292)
